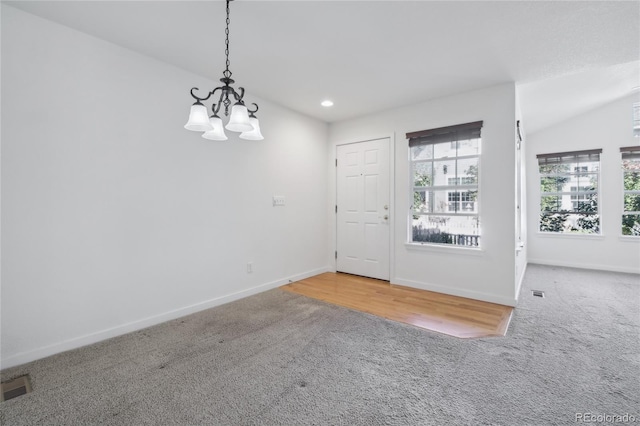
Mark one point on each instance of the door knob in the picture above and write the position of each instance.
(386, 217)
(386, 207)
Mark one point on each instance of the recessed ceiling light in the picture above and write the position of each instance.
(327, 103)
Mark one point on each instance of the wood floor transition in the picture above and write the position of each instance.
(455, 316)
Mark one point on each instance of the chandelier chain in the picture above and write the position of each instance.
(227, 73)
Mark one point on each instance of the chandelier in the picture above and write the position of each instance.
(242, 119)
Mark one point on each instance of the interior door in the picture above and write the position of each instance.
(363, 208)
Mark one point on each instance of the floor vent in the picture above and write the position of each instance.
(15, 388)
(537, 293)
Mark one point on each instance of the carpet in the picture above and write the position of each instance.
(281, 359)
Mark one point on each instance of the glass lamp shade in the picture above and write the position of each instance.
(198, 119)
(253, 135)
(217, 133)
(239, 120)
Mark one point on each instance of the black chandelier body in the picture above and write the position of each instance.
(242, 119)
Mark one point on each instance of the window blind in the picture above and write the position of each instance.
(630, 153)
(570, 157)
(445, 134)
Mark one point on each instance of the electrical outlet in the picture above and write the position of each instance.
(278, 200)
(249, 267)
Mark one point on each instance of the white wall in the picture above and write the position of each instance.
(114, 217)
(485, 275)
(609, 128)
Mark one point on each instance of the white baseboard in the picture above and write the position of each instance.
(88, 339)
(552, 262)
(507, 301)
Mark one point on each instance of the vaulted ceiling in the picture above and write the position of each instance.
(369, 56)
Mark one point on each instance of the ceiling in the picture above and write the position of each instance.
(370, 56)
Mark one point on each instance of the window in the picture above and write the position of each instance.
(631, 190)
(569, 192)
(444, 182)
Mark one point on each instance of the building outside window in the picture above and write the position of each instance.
(444, 182)
(631, 190)
(462, 201)
(569, 192)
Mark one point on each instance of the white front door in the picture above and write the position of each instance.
(363, 208)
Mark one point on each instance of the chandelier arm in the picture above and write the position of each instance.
(198, 98)
(251, 112)
(239, 96)
(213, 92)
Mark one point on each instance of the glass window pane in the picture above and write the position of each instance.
(421, 152)
(631, 165)
(631, 224)
(553, 183)
(588, 182)
(422, 174)
(632, 181)
(585, 223)
(580, 170)
(468, 171)
(585, 203)
(444, 201)
(453, 201)
(555, 169)
(456, 230)
(469, 201)
(421, 201)
(552, 222)
(551, 203)
(444, 150)
(591, 166)
(632, 203)
(442, 171)
(468, 147)
(570, 223)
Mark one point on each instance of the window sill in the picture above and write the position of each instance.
(629, 238)
(565, 235)
(442, 248)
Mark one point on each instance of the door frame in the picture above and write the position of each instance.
(333, 199)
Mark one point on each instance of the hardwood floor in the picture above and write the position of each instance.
(455, 316)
